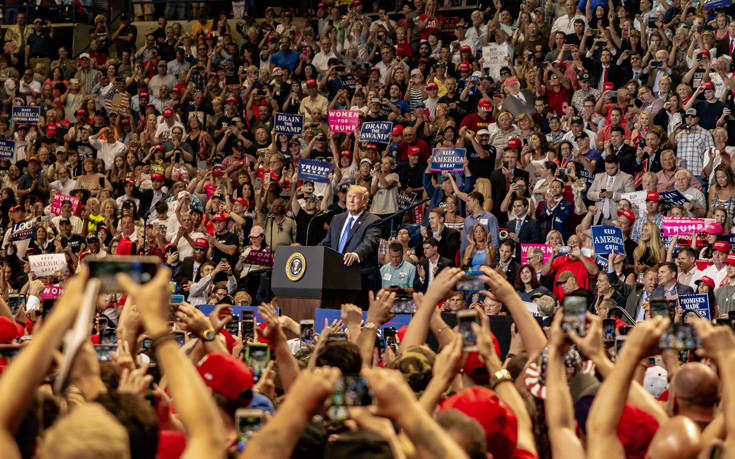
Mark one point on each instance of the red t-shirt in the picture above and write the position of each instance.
(432, 26)
(561, 264)
(559, 101)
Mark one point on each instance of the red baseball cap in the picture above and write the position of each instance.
(706, 280)
(466, 48)
(431, 85)
(130, 180)
(708, 84)
(311, 82)
(713, 228)
(730, 260)
(231, 99)
(704, 51)
(653, 196)
(157, 176)
(371, 146)
(17, 208)
(485, 104)
(201, 242)
(494, 415)
(220, 217)
(9, 330)
(514, 143)
(346, 153)
(242, 201)
(225, 374)
(168, 112)
(397, 129)
(627, 214)
(415, 150)
(287, 13)
(321, 5)
(143, 94)
(609, 86)
(464, 66)
(34, 158)
(81, 111)
(722, 246)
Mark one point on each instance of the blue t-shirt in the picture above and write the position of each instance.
(287, 60)
(402, 104)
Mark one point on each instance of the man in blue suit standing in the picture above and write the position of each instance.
(668, 287)
(355, 234)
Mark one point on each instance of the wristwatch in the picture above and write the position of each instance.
(500, 376)
(208, 335)
(370, 326)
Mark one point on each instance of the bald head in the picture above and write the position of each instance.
(678, 438)
(694, 392)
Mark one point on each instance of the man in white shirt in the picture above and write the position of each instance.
(718, 270)
(321, 58)
(565, 23)
(107, 149)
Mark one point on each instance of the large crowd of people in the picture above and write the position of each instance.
(517, 134)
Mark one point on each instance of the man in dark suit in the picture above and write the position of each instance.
(668, 285)
(523, 228)
(508, 266)
(636, 295)
(189, 271)
(603, 71)
(501, 179)
(149, 198)
(429, 267)
(448, 239)
(355, 234)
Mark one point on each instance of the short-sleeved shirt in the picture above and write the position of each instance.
(563, 263)
(401, 276)
(226, 238)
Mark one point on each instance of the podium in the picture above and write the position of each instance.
(309, 277)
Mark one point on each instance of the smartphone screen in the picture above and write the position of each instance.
(575, 308)
(389, 334)
(307, 331)
(350, 390)
(140, 269)
(608, 331)
(680, 337)
(248, 421)
(233, 326)
(108, 336)
(465, 319)
(103, 352)
(176, 299)
(46, 306)
(470, 282)
(659, 307)
(257, 356)
(180, 338)
(15, 301)
(248, 325)
(403, 304)
(172, 309)
(619, 341)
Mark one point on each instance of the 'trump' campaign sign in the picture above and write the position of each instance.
(288, 123)
(59, 199)
(684, 225)
(448, 159)
(26, 114)
(7, 148)
(343, 120)
(607, 239)
(698, 302)
(547, 248)
(312, 170)
(376, 131)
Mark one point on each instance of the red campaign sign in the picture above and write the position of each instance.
(259, 257)
(343, 120)
(59, 198)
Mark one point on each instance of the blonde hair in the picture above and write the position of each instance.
(654, 246)
(88, 432)
(482, 185)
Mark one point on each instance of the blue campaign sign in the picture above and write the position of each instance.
(7, 148)
(730, 239)
(672, 198)
(208, 308)
(715, 4)
(602, 262)
(376, 131)
(348, 81)
(698, 302)
(26, 114)
(448, 159)
(288, 123)
(312, 170)
(325, 317)
(607, 239)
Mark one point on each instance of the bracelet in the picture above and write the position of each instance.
(162, 338)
